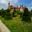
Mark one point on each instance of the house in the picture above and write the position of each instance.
(22, 9)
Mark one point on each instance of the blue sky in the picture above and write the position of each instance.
(4, 3)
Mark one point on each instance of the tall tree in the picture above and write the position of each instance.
(26, 15)
(31, 12)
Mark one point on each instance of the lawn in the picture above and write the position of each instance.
(16, 25)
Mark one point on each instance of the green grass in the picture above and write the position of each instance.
(16, 25)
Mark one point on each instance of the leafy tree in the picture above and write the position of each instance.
(7, 15)
(26, 15)
(14, 12)
(31, 12)
(0, 12)
(3, 12)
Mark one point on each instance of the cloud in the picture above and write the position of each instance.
(14, 1)
(5, 2)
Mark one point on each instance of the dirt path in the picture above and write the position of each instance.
(3, 28)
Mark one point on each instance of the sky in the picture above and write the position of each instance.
(4, 3)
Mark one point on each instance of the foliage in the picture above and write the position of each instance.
(8, 15)
(31, 12)
(26, 15)
(15, 25)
